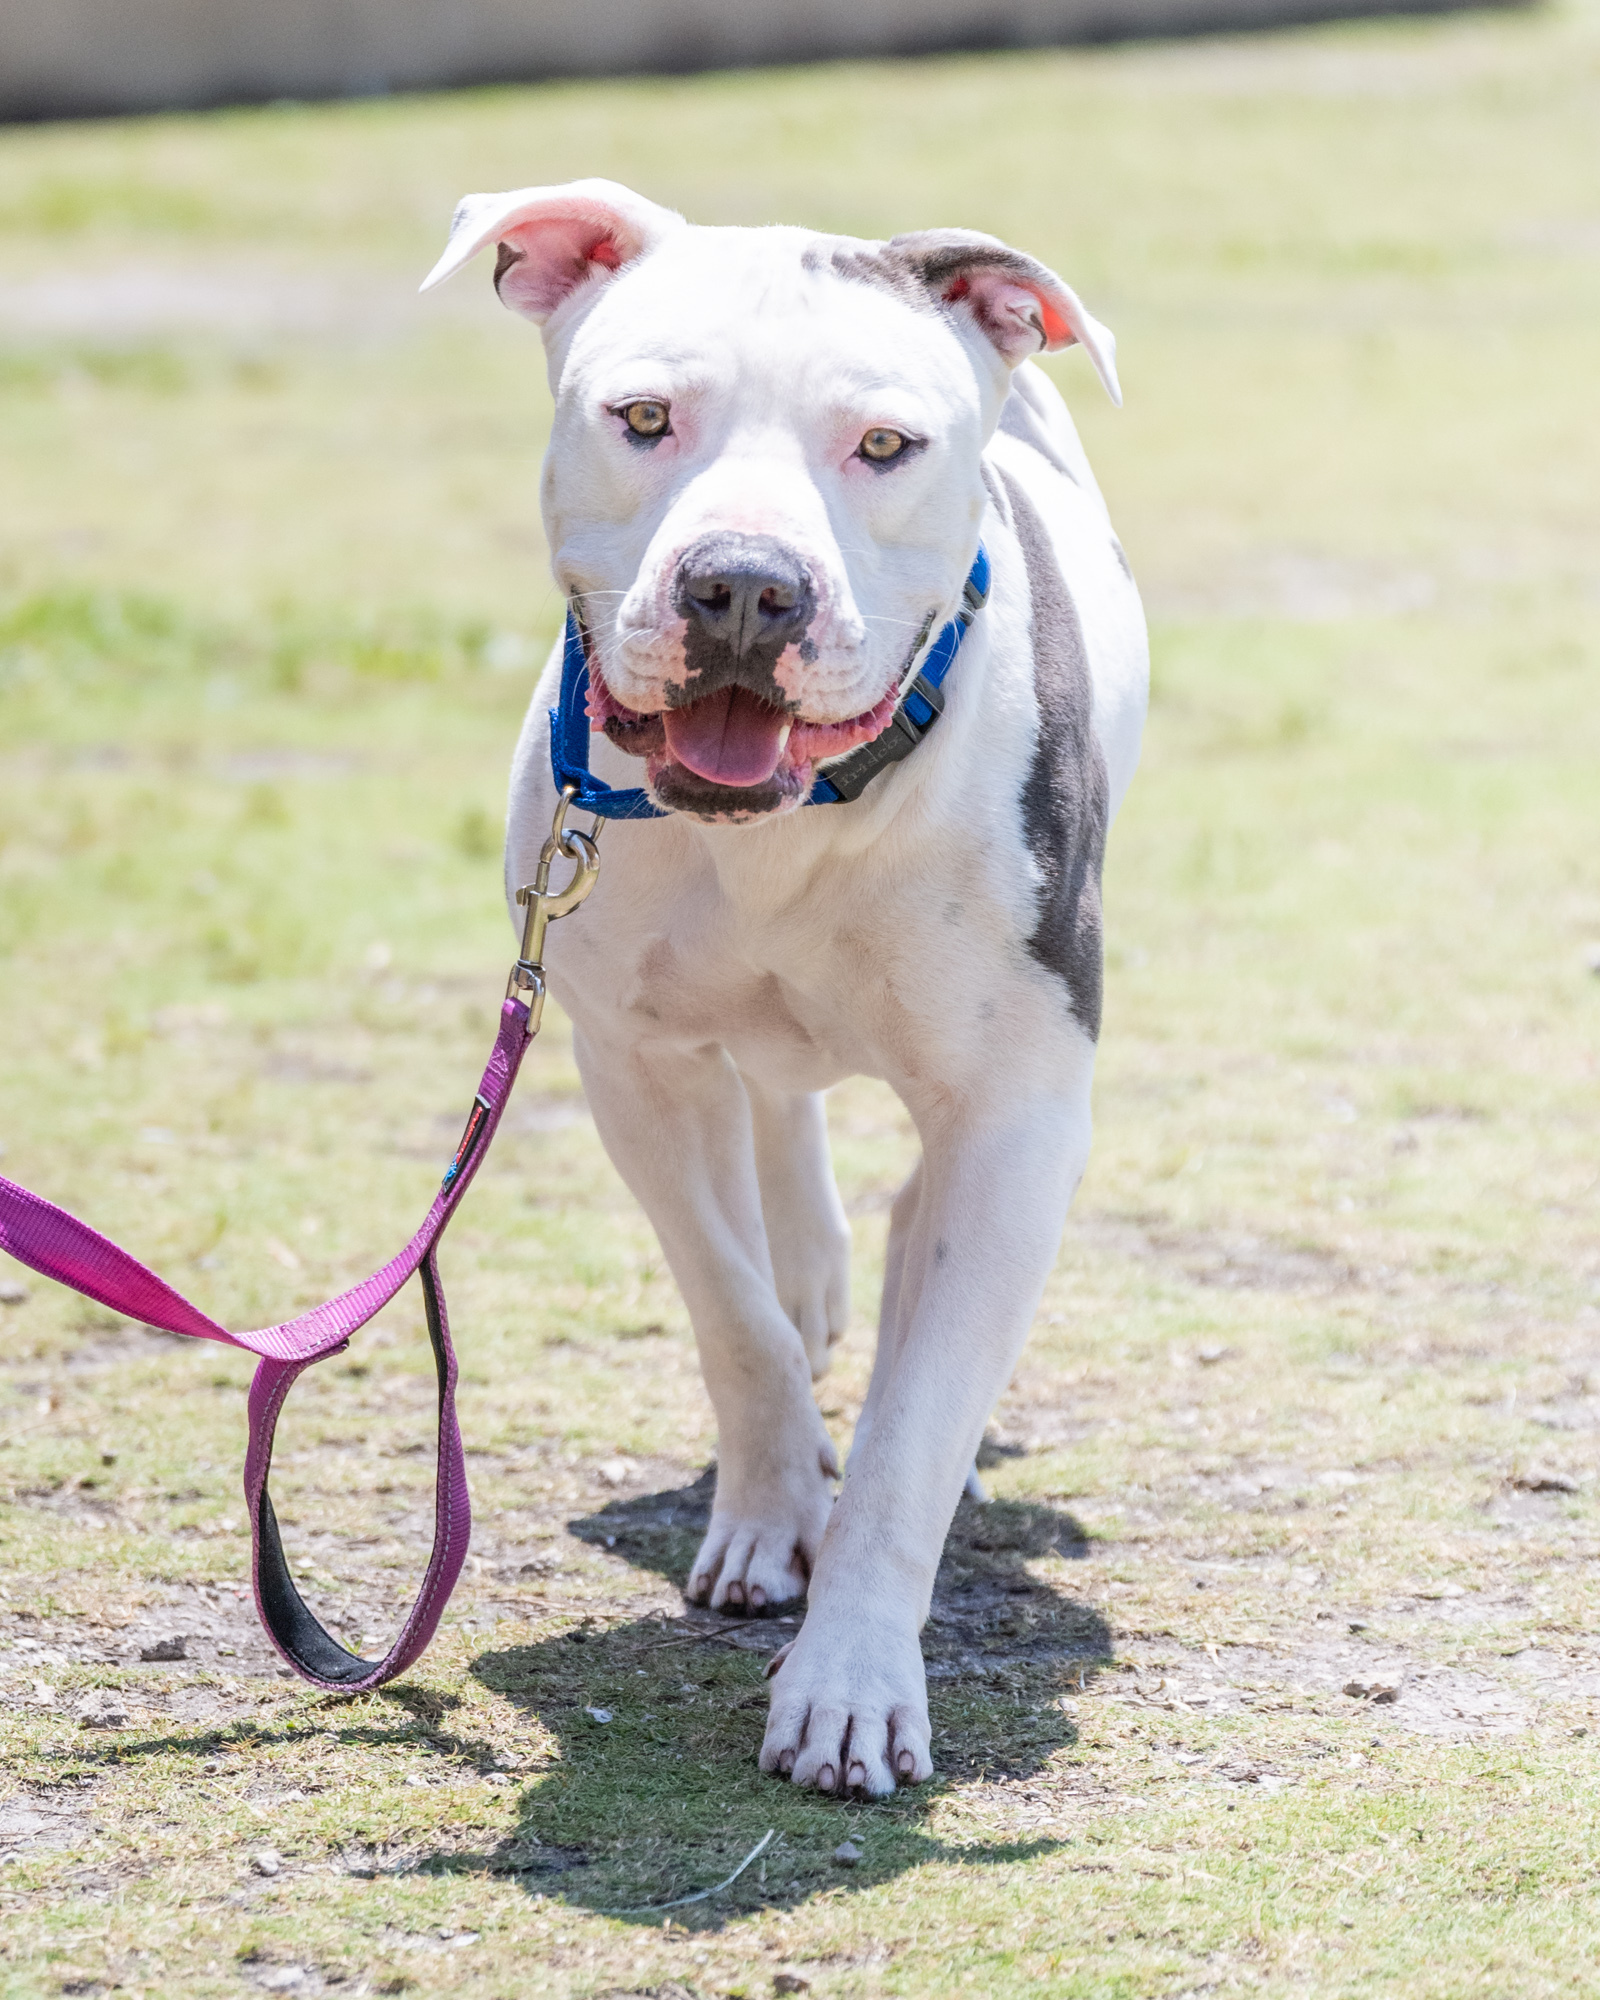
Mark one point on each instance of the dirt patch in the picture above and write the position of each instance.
(1234, 1260)
(44, 1822)
(1408, 1692)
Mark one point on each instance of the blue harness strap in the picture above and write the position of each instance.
(843, 778)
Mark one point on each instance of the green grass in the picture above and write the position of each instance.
(1314, 1389)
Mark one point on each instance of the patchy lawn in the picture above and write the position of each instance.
(1273, 1664)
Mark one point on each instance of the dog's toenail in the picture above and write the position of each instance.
(905, 1762)
(827, 1778)
(736, 1593)
(786, 1762)
(758, 1597)
(858, 1774)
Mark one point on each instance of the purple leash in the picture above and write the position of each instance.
(59, 1246)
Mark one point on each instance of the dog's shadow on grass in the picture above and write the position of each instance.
(656, 1793)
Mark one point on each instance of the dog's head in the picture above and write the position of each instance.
(763, 488)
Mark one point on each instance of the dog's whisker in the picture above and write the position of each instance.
(610, 653)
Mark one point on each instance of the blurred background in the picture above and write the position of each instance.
(273, 597)
(84, 56)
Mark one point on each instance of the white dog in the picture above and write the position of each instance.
(774, 457)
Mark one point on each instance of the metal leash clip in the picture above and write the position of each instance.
(543, 906)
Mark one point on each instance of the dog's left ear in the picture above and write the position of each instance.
(1019, 303)
(552, 239)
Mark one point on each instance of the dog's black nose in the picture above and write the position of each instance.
(748, 593)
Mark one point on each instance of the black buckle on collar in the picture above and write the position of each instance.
(918, 708)
(851, 775)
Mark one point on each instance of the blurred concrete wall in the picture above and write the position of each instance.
(63, 58)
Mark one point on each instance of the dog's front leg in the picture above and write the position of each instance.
(849, 1703)
(677, 1125)
(807, 1230)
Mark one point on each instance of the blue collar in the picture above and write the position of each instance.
(917, 710)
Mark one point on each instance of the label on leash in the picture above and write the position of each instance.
(476, 1121)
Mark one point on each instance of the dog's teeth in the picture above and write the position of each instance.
(783, 737)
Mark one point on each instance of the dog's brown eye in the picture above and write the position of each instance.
(881, 444)
(646, 419)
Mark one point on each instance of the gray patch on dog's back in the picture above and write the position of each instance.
(1066, 797)
(1021, 421)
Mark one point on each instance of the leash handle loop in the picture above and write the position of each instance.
(290, 1623)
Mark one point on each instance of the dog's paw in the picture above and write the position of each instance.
(849, 1709)
(759, 1550)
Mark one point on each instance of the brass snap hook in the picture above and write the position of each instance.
(544, 905)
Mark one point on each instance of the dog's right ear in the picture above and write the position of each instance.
(553, 239)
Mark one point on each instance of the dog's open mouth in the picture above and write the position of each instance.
(728, 738)
(729, 755)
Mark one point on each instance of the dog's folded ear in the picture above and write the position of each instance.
(552, 239)
(1017, 302)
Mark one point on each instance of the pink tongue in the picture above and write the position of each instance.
(728, 737)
